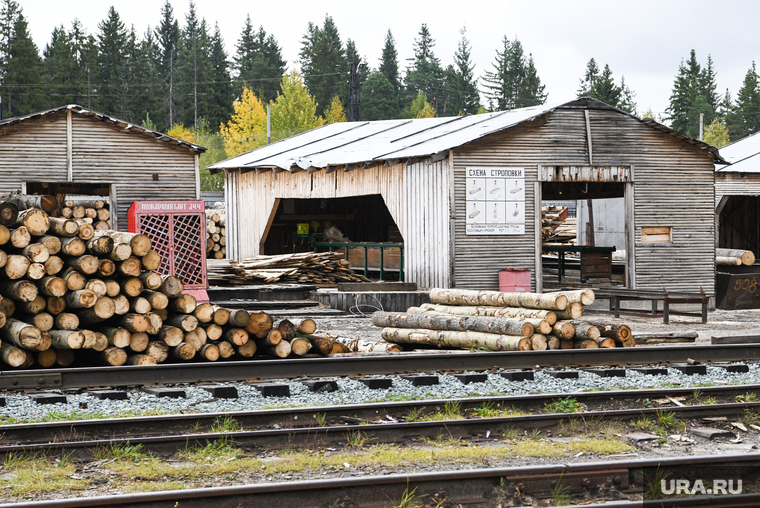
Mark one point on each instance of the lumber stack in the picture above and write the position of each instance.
(734, 257)
(216, 234)
(320, 268)
(498, 321)
(557, 227)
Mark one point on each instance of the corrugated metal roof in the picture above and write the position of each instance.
(342, 144)
(127, 126)
(744, 156)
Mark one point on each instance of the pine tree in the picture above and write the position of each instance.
(258, 62)
(167, 38)
(727, 112)
(22, 81)
(588, 79)
(112, 46)
(85, 49)
(389, 68)
(389, 61)
(221, 94)
(324, 64)
(461, 82)
(514, 82)
(601, 86)
(748, 103)
(425, 74)
(379, 98)
(9, 12)
(143, 96)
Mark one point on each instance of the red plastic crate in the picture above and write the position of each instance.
(178, 232)
(514, 280)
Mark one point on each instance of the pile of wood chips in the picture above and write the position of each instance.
(320, 268)
(498, 321)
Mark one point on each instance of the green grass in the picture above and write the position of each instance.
(567, 405)
(225, 425)
(121, 451)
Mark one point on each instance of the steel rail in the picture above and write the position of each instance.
(392, 363)
(298, 417)
(476, 487)
(338, 435)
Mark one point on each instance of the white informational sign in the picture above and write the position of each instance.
(495, 199)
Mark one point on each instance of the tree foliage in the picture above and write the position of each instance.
(379, 98)
(514, 81)
(294, 111)
(694, 92)
(247, 128)
(748, 103)
(601, 86)
(461, 83)
(716, 134)
(324, 64)
(419, 108)
(259, 62)
(22, 78)
(425, 74)
(335, 112)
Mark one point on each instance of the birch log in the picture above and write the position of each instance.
(498, 326)
(549, 301)
(505, 312)
(457, 340)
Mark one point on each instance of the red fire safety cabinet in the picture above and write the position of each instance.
(177, 230)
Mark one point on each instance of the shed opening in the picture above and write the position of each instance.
(80, 192)
(739, 224)
(339, 224)
(583, 234)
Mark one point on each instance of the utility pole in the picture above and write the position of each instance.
(269, 125)
(354, 113)
(701, 125)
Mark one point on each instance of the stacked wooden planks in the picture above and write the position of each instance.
(216, 234)
(557, 227)
(499, 321)
(321, 268)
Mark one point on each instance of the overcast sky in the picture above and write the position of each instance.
(644, 40)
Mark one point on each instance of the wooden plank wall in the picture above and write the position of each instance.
(427, 235)
(736, 184)
(35, 151)
(256, 194)
(674, 186)
(105, 153)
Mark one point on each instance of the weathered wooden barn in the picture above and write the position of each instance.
(72, 150)
(737, 195)
(465, 192)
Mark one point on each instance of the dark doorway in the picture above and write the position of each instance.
(739, 224)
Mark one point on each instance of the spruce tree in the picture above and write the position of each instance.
(85, 49)
(112, 46)
(22, 85)
(167, 39)
(258, 62)
(194, 68)
(221, 92)
(324, 64)
(514, 81)
(748, 103)
(461, 82)
(694, 92)
(727, 112)
(60, 69)
(425, 73)
(379, 98)
(143, 97)
(389, 68)
(601, 86)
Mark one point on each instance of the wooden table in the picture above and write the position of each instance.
(596, 262)
(617, 295)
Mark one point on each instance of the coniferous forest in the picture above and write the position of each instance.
(177, 77)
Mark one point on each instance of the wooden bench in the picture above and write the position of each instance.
(618, 295)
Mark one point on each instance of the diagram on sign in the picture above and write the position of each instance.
(495, 201)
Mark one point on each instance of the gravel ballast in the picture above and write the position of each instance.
(350, 391)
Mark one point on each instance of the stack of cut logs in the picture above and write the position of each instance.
(734, 257)
(69, 293)
(499, 321)
(96, 212)
(216, 238)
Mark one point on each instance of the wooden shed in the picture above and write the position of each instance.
(72, 150)
(737, 195)
(465, 192)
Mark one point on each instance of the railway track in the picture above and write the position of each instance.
(397, 363)
(610, 484)
(474, 419)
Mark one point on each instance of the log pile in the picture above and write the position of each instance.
(216, 234)
(497, 321)
(96, 212)
(734, 257)
(320, 268)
